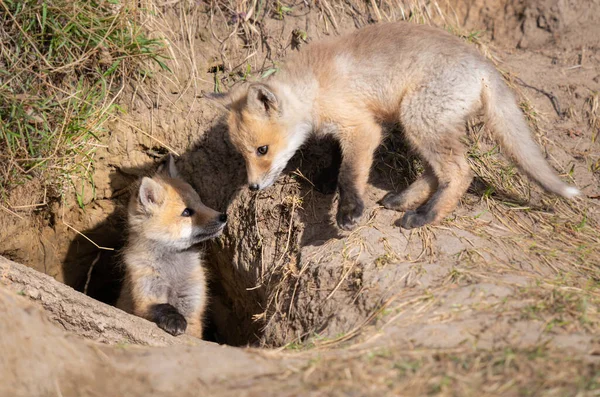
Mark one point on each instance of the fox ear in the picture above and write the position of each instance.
(168, 167)
(223, 99)
(151, 193)
(261, 99)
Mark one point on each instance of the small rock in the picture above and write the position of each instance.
(33, 293)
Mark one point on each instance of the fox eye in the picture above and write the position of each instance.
(187, 212)
(261, 151)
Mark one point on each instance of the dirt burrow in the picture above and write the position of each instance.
(282, 272)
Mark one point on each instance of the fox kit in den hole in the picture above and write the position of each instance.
(164, 274)
(421, 77)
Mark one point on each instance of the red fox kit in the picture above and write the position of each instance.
(164, 276)
(419, 76)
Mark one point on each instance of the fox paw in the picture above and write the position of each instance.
(169, 319)
(393, 201)
(414, 219)
(349, 213)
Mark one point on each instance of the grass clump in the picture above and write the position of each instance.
(62, 66)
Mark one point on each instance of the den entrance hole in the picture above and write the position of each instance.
(235, 300)
(240, 295)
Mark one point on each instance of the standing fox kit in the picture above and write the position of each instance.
(419, 76)
(164, 276)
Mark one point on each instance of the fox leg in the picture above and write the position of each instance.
(190, 300)
(446, 157)
(434, 118)
(358, 145)
(149, 296)
(195, 326)
(326, 180)
(414, 195)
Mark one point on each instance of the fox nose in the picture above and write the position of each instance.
(253, 187)
(223, 218)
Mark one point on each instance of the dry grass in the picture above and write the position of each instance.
(560, 234)
(455, 372)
